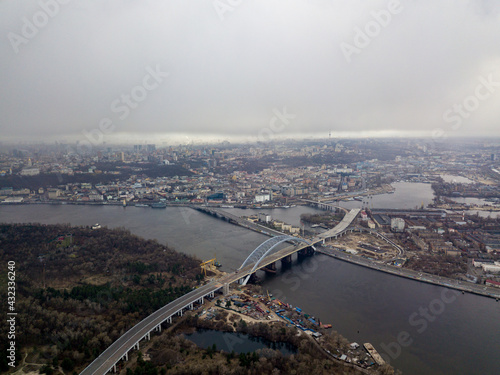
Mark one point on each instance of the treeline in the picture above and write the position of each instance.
(64, 254)
(78, 289)
(172, 353)
(144, 301)
(441, 265)
(327, 218)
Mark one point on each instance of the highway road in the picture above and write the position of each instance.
(102, 364)
(117, 350)
(243, 222)
(340, 227)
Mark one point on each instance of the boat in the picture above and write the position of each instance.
(96, 226)
(217, 264)
(159, 205)
(141, 205)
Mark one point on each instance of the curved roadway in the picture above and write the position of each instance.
(118, 350)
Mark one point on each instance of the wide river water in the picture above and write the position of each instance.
(459, 335)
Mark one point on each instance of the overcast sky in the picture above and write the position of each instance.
(259, 68)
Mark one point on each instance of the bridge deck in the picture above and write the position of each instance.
(116, 351)
(105, 362)
(342, 226)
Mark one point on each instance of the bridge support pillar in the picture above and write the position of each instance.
(225, 289)
(180, 312)
(286, 260)
(149, 336)
(253, 278)
(126, 356)
(169, 319)
(307, 251)
(137, 345)
(271, 268)
(114, 368)
(302, 253)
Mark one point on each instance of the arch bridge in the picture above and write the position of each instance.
(260, 253)
(259, 258)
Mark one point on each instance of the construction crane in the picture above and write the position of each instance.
(210, 265)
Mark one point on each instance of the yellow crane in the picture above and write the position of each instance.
(210, 264)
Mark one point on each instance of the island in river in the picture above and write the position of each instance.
(78, 289)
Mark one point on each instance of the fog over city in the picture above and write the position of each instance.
(189, 70)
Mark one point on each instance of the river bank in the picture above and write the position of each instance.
(341, 293)
(249, 311)
(490, 292)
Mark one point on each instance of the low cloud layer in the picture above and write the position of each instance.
(223, 68)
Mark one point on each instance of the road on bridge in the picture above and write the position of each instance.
(105, 362)
(114, 353)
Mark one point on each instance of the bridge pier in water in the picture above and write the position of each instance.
(286, 261)
(305, 252)
(253, 278)
(271, 268)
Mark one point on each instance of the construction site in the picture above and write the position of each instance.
(367, 245)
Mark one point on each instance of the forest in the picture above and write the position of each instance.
(173, 353)
(78, 289)
(328, 218)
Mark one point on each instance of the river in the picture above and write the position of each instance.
(461, 337)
